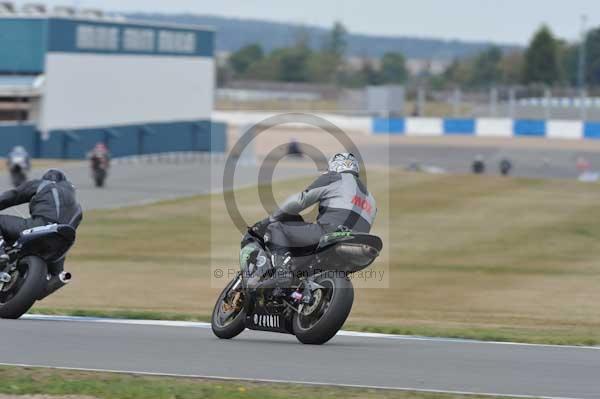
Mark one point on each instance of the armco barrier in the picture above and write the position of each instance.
(151, 138)
(487, 127)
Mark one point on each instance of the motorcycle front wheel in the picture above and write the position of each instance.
(27, 284)
(228, 316)
(318, 322)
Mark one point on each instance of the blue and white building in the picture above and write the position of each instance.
(73, 81)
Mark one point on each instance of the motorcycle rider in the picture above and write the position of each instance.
(18, 161)
(345, 204)
(478, 165)
(100, 156)
(51, 200)
(19, 152)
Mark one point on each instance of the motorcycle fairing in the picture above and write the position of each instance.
(51, 242)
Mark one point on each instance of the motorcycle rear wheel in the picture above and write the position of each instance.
(99, 178)
(19, 296)
(318, 323)
(227, 324)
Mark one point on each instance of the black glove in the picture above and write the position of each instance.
(260, 228)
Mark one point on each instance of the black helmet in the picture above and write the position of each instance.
(54, 175)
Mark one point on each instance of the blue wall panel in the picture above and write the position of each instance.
(218, 136)
(122, 140)
(591, 130)
(459, 126)
(22, 45)
(389, 125)
(13, 135)
(529, 127)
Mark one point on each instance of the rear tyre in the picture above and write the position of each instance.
(99, 178)
(318, 323)
(28, 284)
(228, 322)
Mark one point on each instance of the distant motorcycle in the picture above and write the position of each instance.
(478, 167)
(18, 167)
(505, 167)
(99, 166)
(318, 302)
(29, 275)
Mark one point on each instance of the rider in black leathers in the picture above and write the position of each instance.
(344, 204)
(51, 200)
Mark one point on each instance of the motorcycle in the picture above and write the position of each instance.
(316, 305)
(30, 274)
(18, 168)
(99, 170)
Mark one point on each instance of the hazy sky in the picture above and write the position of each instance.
(495, 20)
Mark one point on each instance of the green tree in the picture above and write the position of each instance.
(323, 68)
(457, 73)
(241, 60)
(393, 68)
(569, 62)
(293, 65)
(369, 74)
(325, 65)
(293, 62)
(542, 59)
(336, 43)
(592, 44)
(486, 68)
(511, 67)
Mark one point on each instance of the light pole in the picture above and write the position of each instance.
(582, 55)
(581, 67)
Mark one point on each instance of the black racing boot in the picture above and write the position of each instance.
(4, 258)
(282, 276)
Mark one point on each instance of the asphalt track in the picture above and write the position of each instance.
(350, 359)
(546, 163)
(135, 183)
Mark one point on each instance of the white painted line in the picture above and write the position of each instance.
(193, 324)
(295, 382)
(157, 323)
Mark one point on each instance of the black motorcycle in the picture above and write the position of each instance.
(31, 273)
(18, 169)
(99, 166)
(316, 305)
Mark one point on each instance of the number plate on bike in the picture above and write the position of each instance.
(266, 322)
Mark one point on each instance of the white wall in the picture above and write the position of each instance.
(562, 129)
(494, 127)
(242, 118)
(424, 127)
(90, 90)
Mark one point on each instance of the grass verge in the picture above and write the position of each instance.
(469, 257)
(28, 381)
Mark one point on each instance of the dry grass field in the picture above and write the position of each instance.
(487, 258)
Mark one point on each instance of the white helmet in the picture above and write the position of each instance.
(344, 162)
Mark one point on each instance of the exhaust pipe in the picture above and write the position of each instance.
(56, 283)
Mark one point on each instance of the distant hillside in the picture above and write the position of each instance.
(235, 33)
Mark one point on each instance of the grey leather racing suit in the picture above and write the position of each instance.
(343, 201)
